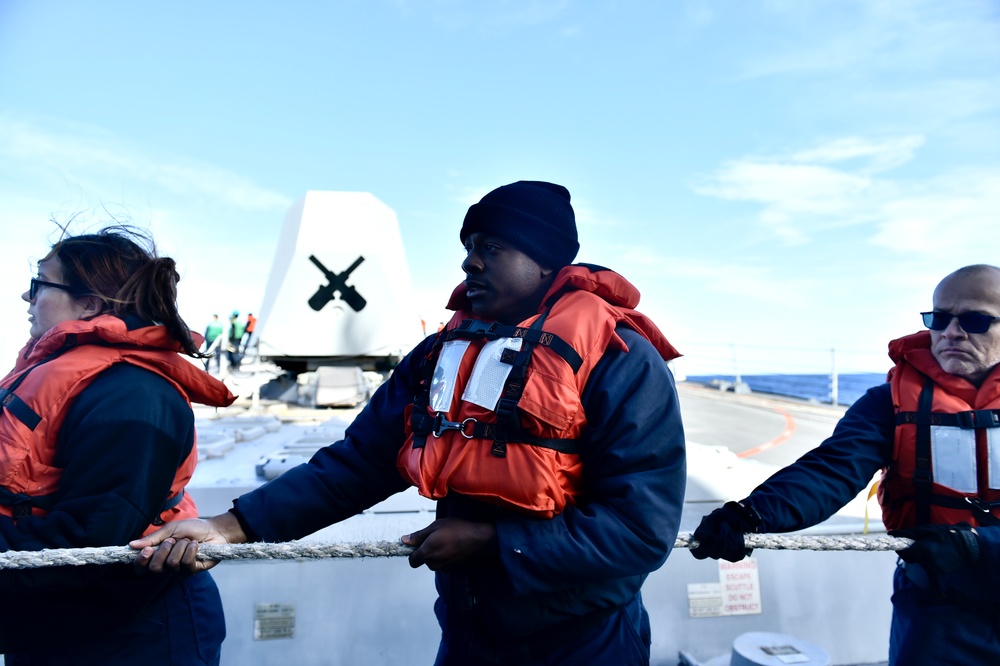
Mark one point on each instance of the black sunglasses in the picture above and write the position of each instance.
(971, 322)
(36, 283)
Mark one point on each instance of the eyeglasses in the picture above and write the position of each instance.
(971, 322)
(36, 283)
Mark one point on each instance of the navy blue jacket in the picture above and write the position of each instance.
(954, 620)
(823, 480)
(120, 445)
(546, 577)
(831, 475)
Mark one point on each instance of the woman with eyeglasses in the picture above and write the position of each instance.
(97, 442)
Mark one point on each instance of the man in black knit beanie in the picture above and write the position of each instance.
(544, 421)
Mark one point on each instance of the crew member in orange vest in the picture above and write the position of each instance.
(98, 446)
(248, 330)
(934, 431)
(542, 418)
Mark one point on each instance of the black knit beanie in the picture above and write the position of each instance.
(533, 215)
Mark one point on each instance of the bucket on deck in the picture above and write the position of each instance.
(759, 648)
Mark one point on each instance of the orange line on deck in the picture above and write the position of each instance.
(785, 434)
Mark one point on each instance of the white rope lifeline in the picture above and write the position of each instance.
(807, 542)
(293, 550)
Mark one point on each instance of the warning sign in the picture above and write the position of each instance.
(740, 584)
(736, 593)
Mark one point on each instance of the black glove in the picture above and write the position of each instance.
(720, 534)
(940, 548)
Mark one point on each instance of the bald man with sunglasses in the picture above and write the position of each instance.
(934, 431)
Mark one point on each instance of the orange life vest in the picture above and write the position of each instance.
(945, 465)
(47, 377)
(499, 414)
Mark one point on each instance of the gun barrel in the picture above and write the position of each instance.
(320, 266)
(350, 269)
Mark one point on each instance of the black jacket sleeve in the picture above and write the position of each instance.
(818, 484)
(341, 479)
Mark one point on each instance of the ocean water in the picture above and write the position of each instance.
(850, 386)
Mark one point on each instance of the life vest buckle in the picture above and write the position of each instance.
(980, 418)
(441, 424)
(486, 329)
(978, 504)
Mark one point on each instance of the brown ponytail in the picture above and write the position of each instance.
(119, 265)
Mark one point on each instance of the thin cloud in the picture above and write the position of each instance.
(89, 155)
(793, 195)
(884, 35)
(954, 215)
(883, 155)
(800, 200)
(738, 280)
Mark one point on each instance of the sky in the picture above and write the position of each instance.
(785, 182)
